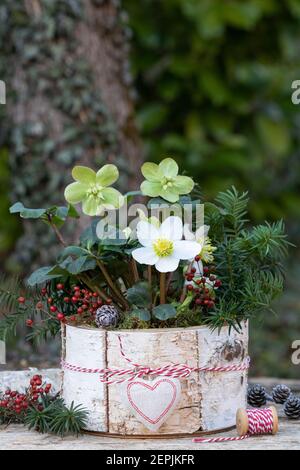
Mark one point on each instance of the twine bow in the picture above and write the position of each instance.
(116, 376)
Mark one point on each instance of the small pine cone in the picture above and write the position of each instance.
(257, 396)
(292, 407)
(106, 316)
(281, 393)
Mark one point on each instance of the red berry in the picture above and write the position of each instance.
(21, 300)
(49, 300)
(13, 394)
(77, 294)
(73, 318)
(109, 301)
(218, 283)
(198, 301)
(76, 288)
(39, 305)
(8, 392)
(40, 408)
(190, 288)
(29, 322)
(80, 311)
(206, 270)
(74, 299)
(59, 286)
(53, 308)
(48, 387)
(67, 300)
(44, 291)
(35, 397)
(60, 317)
(36, 377)
(212, 278)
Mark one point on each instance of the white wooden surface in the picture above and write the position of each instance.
(18, 438)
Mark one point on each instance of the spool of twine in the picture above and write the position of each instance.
(249, 422)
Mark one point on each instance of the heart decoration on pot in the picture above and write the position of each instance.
(152, 401)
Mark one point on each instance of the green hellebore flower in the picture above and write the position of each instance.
(92, 189)
(163, 180)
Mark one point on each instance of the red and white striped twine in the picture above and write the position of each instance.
(116, 376)
(260, 421)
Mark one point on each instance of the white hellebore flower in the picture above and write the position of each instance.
(163, 246)
(206, 248)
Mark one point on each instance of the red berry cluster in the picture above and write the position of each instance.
(75, 303)
(203, 288)
(14, 404)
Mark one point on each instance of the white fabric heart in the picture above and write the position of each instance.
(152, 401)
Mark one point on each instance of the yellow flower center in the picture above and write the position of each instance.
(163, 247)
(95, 191)
(207, 251)
(167, 182)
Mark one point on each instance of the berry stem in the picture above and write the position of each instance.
(112, 286)
(56, 231)
(88, 283)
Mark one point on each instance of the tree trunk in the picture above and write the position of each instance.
(70, 103)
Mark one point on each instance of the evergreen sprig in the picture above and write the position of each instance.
(15, 313)
(249, 261)
(57, 418)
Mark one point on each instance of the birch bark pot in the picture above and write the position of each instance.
(209, 400)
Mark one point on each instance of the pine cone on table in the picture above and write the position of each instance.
(281, 393)
(292, 407)
(257, 396)
(107, 316)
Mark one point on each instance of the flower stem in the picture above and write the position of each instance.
(88, 283)
(135, 271)
(150, 284)
(183, 295)
(162, 288)
(170, 278)
(111, 285)
(56, 231)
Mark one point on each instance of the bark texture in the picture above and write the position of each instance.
(209, 401)
(71, 102)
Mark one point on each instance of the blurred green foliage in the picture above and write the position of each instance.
(214, 83)
(10, 228)
(214, 91)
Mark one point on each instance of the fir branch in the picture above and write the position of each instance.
(234, 209)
